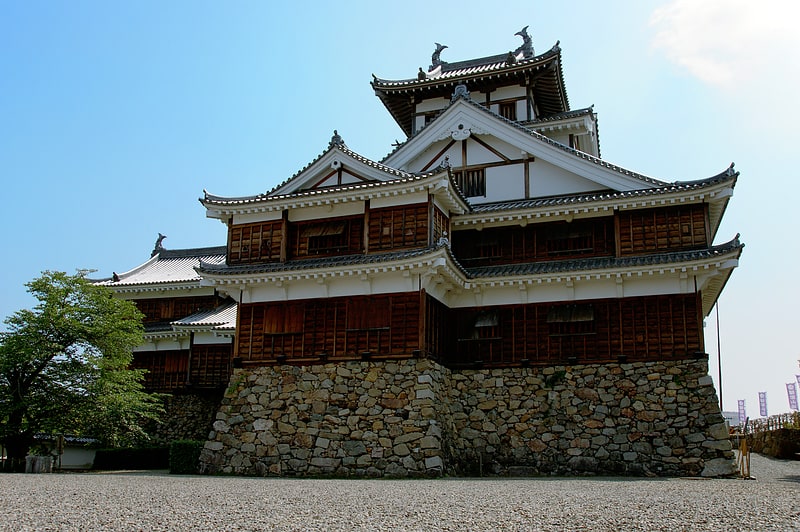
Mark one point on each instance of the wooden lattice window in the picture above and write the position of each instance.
(326, 238)
(571, 320)
(471, 182)
(570, 239)
(508, 110)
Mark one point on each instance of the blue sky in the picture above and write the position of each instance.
(115, 116)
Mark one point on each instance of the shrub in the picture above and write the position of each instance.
(132, 458)
(184, 456)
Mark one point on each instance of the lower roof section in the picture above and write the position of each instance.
(437, 271)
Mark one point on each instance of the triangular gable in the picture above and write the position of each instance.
(492, 139)
(336, 167)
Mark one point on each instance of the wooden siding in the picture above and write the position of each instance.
(166, 370)
(398, 227)
(257, 242)
(611, 330)
(174, 308)
(535, 243)
(345, 328)
(210, 365)
(662, 229)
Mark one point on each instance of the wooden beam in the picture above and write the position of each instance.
(438, 155)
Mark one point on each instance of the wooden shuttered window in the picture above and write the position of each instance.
(337, 236)
(257, 242)
(398, 227)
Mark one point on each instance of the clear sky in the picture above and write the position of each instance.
(114, 116)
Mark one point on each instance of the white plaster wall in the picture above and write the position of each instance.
(393, 201)
(77, 458)
(209, 338)
(163, 345)
(160, 294)
(350, 285)
(433, 104)
(503, 183)
(504, 93)
(326, 211)
(423, 158)
(256, 217)
(550, 180)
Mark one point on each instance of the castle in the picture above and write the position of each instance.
(491, 297)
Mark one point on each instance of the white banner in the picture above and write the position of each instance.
(791, 390)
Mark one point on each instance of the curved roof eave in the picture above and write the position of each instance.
(459, 71)
(717, 187)
(350, 192)
(601, 266)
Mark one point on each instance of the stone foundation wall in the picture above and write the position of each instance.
(187, 416)
(780, 443)
(416, 418)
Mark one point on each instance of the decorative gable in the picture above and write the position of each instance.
(512, 161)
(337, 166)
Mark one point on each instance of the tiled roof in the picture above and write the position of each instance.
(591, 158)
(222, 317)
(484, 74)
(507, 270)
(469, 68)
(313, 264)
(168, 266)
(399, 175)
(557, 201)
(603, 263)
(559, 116)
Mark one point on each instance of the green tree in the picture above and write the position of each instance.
(64, 367)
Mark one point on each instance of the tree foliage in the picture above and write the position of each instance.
(64, 366)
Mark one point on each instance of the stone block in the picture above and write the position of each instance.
(434, 462)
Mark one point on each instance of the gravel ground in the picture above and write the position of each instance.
(158, 501)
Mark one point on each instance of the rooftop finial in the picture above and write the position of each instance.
(527, 43)
(158, 247)
(435, 60)
(421, 74)
(461, 91)
(336, 140)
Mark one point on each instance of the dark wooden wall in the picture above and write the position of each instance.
(386, 229)
(663, 229)
(343, 328)
(174, 308)
(202, 366)
(609, 330)
(258, 242)
(535, 242)
(166, 370)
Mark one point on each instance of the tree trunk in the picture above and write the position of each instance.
(17, 447)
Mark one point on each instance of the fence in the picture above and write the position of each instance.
(780, 421)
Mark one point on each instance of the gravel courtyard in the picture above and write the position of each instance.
(156, 501)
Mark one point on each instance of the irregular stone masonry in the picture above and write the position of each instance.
(417, 418)
(186, 416)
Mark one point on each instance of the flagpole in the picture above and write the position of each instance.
(719, 360)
